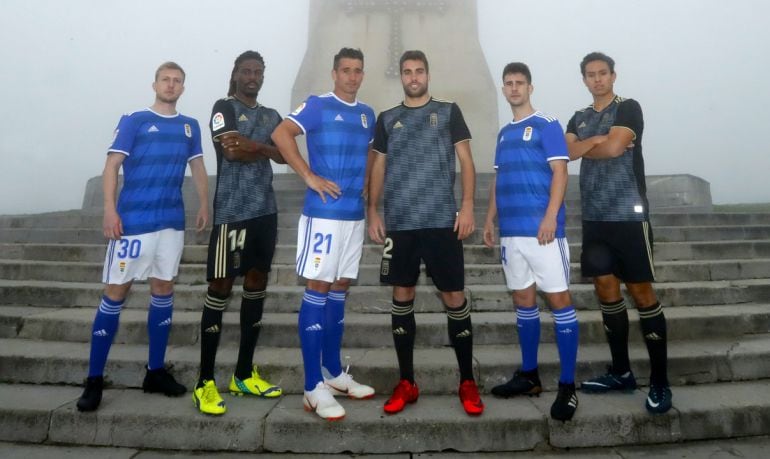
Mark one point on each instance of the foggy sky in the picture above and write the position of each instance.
(70, 69)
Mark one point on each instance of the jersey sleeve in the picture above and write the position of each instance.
(380, 142)
(308, 115)
(554, 145)
(629, 116)
(196, 149)
(123, 137)
(457, 127)
(222, 119)
(275, 120)
(371, 122)
(571, 128)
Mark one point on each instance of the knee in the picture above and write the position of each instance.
(453, 300)
(341, 285)
(255, 280)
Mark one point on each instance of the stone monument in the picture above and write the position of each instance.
(446, 30)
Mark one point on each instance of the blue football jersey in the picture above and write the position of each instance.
(338, 137)
(157, 149)
(523, 184)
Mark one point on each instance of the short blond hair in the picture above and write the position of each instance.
(170, 66)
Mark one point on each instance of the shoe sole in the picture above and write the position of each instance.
(331, 419)
(337, 392)
(251, 394)
(598, 390)
(534, 392)
(198, 405)
(409, 402)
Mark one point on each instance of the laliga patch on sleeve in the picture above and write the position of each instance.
(299, 109)
(217, 121)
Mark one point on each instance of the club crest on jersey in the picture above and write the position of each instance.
(434, 119)
(299, 109)
(527, 133)
(364, 121)
(187, 130)
(217, 121)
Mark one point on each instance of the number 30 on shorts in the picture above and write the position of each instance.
(130, 248)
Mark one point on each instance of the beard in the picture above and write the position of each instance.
(415, 93)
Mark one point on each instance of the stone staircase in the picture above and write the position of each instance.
(714, 279)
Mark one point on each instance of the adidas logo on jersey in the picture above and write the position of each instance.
(399, 331)
(582, 125)
(463, 334)
(165, 323)
(153, 129)
(338, 117)
(314, 327)
(398, 125)
(101, 333)
(212, 329)
(243, 118)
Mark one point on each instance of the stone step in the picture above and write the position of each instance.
(289, 235)
(373, 330)
(287, 218)
(128, 418)
(690, 362)
(376, 299)
(369, 274)
(474, 253)
(752, 446)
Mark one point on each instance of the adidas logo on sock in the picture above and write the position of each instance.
(653, 337)
(257, 325)
(165, 323)
(212, 329)
(566, 331)
(463, 334)
(102, 333)
(314, 327)
(399, 331)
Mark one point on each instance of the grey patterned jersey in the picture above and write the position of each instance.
(244, 189)
(420, 167)
(612, 190)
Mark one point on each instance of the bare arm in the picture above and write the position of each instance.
(371, 155)
(547, 230)
(465, 223)
(376, 183)
(201, 182)
(489, 222)
(284, 137)
(580, 148)
(112, 225)
(237, 147)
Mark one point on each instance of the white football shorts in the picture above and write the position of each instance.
(526, 262)
(140, 256)
(328, 250)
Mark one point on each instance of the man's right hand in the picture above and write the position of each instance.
(376, 227)
(112, 225)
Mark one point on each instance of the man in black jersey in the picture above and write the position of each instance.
(245, 228)
(417, 142)
(617, 237)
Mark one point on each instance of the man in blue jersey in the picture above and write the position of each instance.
(339, 130)
(416, 144)
(617, 237)
(527, 192)
(242, 241)
(146, 227)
